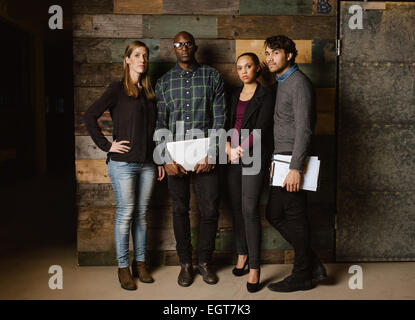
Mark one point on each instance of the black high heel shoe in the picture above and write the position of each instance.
(242, 271)
(254, 287)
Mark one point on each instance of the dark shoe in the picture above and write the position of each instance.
(254, 287)
(185, 278)
(240, 272)
(140, 271)
(318, 271)
(208, 275)
(290, 284)
(125, 278)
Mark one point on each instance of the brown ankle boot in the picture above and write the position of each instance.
(127, 282)
(140, 271)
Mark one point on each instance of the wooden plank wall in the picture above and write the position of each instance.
(223, 30)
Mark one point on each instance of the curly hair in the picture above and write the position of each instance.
(282, 42)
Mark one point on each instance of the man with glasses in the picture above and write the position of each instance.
(193, 94)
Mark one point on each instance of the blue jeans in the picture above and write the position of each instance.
(133, 185)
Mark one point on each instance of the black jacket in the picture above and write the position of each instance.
(259, 114)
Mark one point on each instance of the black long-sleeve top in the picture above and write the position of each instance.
(133, 120)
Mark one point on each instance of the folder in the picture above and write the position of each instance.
(281, 165)
(188, 152)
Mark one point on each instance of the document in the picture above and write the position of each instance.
(281, 165)
(188, 152)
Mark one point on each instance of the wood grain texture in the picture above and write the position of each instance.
(97, 74)
(325, 123)
(325, 99)
(284, 7)
(260, 27)
(85, 96)
(138, 6)
(119, 46)
(107, 26)
(91, 171)
(92, 50)
(304, 48)
(85, 148)
(167, 26)
(94, 195)
(92, 6)
(325, 7)
(213, 7)
(321, 75)
(228, 70)
(209, 50)
(104, 122)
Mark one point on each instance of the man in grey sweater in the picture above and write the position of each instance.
(294, 120)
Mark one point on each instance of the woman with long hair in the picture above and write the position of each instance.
(251, 108)
(131, 169)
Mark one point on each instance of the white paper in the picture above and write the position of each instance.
(281, 166)
(188, 152)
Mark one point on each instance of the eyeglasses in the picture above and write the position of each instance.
(180, 45)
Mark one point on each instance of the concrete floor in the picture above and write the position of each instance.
(25, 276)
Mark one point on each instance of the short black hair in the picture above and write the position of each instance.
(282, 42)
(189, 35)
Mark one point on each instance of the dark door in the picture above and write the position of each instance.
(376, 136)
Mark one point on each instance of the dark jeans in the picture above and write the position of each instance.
(287, 212)
(244, 194)
(207, 193)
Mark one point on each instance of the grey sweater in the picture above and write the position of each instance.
(294, 118)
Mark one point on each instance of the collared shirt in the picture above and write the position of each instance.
(194, 96)
(287, 73)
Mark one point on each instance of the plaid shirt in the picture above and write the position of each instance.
(195, 97)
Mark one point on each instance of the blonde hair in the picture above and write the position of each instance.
(130, 88)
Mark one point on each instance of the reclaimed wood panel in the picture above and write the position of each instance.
(84, 97)
(209, 50)
(87, 50)
(321, 75)
(304, 48)
(107, 26)
(281, 8)
(213, 7)
(119, 46)
(325, 123)
(85, 148)
(325, 7)
(325, 99)
(97, 74)
(170, 258)
(167, 26)
(104, 122)
(324, 51)
(101, 195)
(91, 171)
(295, 27)
(138, 6)
(228, 70)
(96, 229)
(92, 6)
(94, 195)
